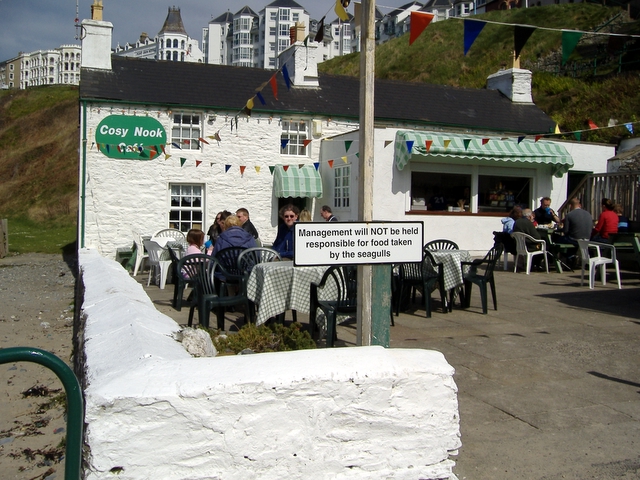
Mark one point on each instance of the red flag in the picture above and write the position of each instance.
(306, 142)
(198, 162)
(274, 87)
(285, 167)
(538, 137)
(485, 141)
(428, 144)
(592, 125)
(242, 167)
(419, 21)
(330, 163)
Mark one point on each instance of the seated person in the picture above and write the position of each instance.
(607, 223)
(233, 235)
(283, 244)
(543, 214)
(195, 239)
(623, 222)
(243, 215)
(508, 221)
(524, 224)
(577, 224)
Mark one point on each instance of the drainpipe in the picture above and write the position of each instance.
(83, 186)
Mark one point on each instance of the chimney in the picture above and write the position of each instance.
(143, 37)
(514, 83)
(301, 61)
(96, 40)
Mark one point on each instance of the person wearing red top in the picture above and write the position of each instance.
(607, 223)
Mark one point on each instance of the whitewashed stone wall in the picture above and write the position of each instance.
(152, 411)
(392, 188)
(123, 195)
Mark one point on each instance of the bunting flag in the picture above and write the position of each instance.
(143, 154)
(242, 167)
(427, 144)
(107, 147)
(520, 139)
(283, 143)
(250, 103)
(629, 127)
(198, 162)
(274, 86)
(271, 169)
(92, 144)
(317, 165)
(306, 142)
(261, 98)
(211, 164)
(466, 143)
(347, 143)
(419, 21)
(217, 137)
(409, 145)
(538, 137)
(340, 10)
(176, 145)
(592, 124)
(446, 144)
(557, 130)
(344, 159)
(226, 168)
(485, 141)
(162, 147)
(119, 149)
(285, 167)
(357, 154)
(200, 139)
(320, 34)
(387, 143)
(182, 161)
(569, 41)
(578, 135)
(520, 36)
(300, 165)
(247, 112)
(471, 31)
(257, 167)
(152, 154)
(330, 162)
(166, 156)
(285, 74)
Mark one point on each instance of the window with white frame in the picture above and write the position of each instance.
(186, 207)
(295, 17)
(283, 44)
(285, 14)
(273, 15)
(272, 31)
(284, 30)
(186, 131)
(296, 134)
(342, 186)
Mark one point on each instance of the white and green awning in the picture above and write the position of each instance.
(420, 146)
(296, 181)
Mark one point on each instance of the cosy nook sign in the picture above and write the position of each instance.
(125, 136)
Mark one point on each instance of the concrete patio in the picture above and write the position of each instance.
(549, 384)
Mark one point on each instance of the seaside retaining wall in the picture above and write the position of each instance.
(153, 411)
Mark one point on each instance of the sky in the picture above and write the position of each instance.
(29, 25)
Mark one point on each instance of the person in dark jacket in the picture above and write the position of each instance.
(243, 215)
(524, 224)
(283, 244)
(233, 235)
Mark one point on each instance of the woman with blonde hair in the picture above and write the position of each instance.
(305, 216)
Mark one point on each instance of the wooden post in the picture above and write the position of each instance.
(4, 237)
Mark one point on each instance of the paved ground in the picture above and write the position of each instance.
(549, 384)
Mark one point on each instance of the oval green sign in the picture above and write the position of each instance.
(125, 136)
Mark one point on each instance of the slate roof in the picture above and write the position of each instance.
(173, 23)
(225, 87)
(226, 17)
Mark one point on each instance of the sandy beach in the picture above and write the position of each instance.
(36, 310)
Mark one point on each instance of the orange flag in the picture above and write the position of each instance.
(242, 167)
(592, 125)
(419, 21)
(330, 163)
(274, 86)
(428, 143)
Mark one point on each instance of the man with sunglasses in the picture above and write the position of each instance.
(283, 243)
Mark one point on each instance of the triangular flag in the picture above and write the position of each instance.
(198, 162)
(166, 156)
(182, 160)
(387, 143)
(119, 150)
(283, 143)
(217, 137)
(347, 143)
(274, 86)
(247, 112)
(592, 124)
(203, 140)
(250, 103)
(427, 144)
(419, 21)
(300, 165)
(226, 168)
(557, 130)
(107, 147)
(330, 162)
(320, 33)
(317, 165)
(152, 154)
(538, 137)
(306, 142)
(176, 145)
(409, 145)
(578, 135)
(340, 11)
(143, 154)
(520, 139)
(485, 141)
(162, 147)
(92, 144)
(569, 41)
(242, 167)
(472, 29)
(211, 164)
(446, 144)
(466, 143)
(520, 36)
(357, 154)
(629, 127)
(285, 74)
(140, 149)
(257, 169)
(271, 169)
(344, 159)
(285, 167)
(261, 98)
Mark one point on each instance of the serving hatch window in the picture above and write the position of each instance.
(439, 191)
(499, 193)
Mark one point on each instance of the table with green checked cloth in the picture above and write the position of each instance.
(451, 267)
(276, 287)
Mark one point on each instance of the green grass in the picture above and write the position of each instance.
(26, 236)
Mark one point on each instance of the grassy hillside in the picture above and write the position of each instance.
(39, 167)
(437, 57)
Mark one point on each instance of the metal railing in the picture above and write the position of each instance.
(75, 406)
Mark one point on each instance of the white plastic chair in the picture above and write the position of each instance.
(592, 263)
(521, 247)
(157, 264)
(141, 255)
(173, 233)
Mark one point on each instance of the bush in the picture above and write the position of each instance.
(272, 338)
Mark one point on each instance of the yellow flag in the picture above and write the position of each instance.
(257, 169)
(344, 159)
(250, 103)
(340, 11)
(446, 144)
(557, 129)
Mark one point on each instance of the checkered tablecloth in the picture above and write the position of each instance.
(276, 287)
(452, 270)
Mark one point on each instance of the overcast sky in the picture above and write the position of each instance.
(29, 25)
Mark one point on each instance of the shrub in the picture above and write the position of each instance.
(272, 338)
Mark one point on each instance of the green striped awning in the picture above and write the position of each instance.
(296, 181)
(420, 146)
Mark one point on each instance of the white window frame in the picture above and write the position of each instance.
(284, 14)
(342, 186)
(296, 132)
(186, 206)
(283, 44)
(183, 128)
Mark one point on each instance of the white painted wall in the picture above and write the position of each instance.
(472, 232)
(154, 412)
(126, 195)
